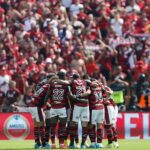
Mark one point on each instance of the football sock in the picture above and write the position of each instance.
(47, 133)
(62, 133)
(99, 135)
(92, 134)
(52, 133)
(114, 134)
(84, 135)
(37, 135)
(42, 135)
(109, 135)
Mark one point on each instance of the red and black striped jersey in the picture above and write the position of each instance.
(39, 96)
(59, 95)
(96, 98)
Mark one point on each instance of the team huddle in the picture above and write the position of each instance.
(58, 105)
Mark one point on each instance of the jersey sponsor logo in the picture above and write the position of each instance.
(16, 127)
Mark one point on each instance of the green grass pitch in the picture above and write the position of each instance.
(124, 145)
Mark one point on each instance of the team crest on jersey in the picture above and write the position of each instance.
(16, 127)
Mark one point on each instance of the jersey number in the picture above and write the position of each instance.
(79, 90)
(98, 96)
(58, 94)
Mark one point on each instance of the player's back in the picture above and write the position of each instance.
(39, 95)
(59, 95)
(78, 87)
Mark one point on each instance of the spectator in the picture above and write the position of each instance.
(4, 80)
(117, 24)
(91, 65)
(78, 63)
(12, 96)
(2, 98)
(75, 7)
(133, 106)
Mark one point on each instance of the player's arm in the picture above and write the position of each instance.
(85, 94)
(74, 97)
(47, 96)
(53, 79)
(62, 81)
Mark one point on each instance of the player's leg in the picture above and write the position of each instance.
(53, 121)
(109, 119)
(47, 131)
(67, 126)
(47, 126)
(92, 134)
(109, 133)
(37, 135)
(84, 123)
(40, 118)
(37, 126)
(100, 121)
(62, 131)
(73, 126)
(92, 130)
(62, 113)
(115, 137)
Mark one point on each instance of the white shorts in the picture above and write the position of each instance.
(22, 109)
(37, 113)
(115, 114)
(97, 116)
(61, 112)
(109, 115)
(47, 114)
(81, 113)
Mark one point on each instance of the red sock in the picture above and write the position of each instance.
(53, 133)
(109, 135)
(84, 134)
(114, 134)
(92, 134)
(71, 132)
(62, 133)
(99, 135)
(42, 135)
(37, 135)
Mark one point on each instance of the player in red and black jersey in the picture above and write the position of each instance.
(111, 112)
(81, 91)
(36, 109)
(59, 93)
(96, 114)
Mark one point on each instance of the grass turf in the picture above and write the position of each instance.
(124, 145)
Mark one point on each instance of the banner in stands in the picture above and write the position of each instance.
(20, 126)
(16, 126)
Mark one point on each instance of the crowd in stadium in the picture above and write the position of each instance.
(92, 53)
(107, 40)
